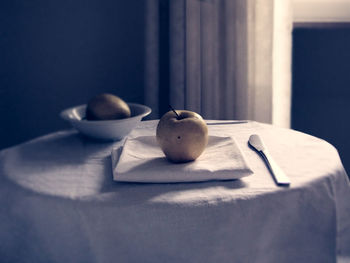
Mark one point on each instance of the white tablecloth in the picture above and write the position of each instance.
(59, 203)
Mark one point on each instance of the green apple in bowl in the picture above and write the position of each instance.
(182, 135)
(107, 107)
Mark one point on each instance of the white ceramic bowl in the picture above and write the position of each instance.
(105, 130)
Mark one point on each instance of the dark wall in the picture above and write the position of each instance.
(321, 85)
(56, 54)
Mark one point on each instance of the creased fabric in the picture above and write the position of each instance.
(59, 203)
(141, 160)
(225, 59)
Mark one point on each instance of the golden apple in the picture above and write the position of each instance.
(182, 135)
(107, 107)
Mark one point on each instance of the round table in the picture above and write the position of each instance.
(59, 203)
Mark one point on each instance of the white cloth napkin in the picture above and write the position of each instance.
(140, 159)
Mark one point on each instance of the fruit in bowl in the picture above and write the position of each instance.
(107, 107)
(105, 117)
(182, 135)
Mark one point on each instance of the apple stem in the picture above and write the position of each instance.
(177, 115)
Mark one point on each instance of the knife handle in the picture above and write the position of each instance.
(280, 177)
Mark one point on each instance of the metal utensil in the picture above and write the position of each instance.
(280, 177)
(226, 122)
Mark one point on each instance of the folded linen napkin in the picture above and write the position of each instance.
(140, 159)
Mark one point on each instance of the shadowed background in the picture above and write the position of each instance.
(321, 84)
(57, 54)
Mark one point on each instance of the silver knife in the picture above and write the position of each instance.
(280, 177)
(227, 122)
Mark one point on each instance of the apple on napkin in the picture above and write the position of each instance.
(182, 135)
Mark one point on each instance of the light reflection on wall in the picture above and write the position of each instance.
(321, 10)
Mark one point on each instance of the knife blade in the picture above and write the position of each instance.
(278, 174)
(226, 122)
